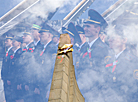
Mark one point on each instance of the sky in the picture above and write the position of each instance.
(98, 5)
(7, 5)
(87, 76)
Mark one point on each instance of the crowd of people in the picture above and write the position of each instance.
(29, 62)
(26, 62)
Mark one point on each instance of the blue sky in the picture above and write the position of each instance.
(85, 85)
(7, 5)
(99, 5)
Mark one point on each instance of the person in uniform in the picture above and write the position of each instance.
(28, 40)
(36, 36)
(5, 73)
(92, 57)
(27, 64)
(75, 40)
(73, 33)
(121, 69)
(15, 67)
(95, 50)
(45, 61)
(82, 36)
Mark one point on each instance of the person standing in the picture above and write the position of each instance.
(45, 60)
(92, 57)
(36, 35)
(82, 36)
(28, 40)
(15, 67)
(5, 72)
(95, 50)
(121, 69)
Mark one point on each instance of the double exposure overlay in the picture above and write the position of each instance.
(92, 44)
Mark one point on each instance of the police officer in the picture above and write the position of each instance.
(95, 51)
(75, 40)
(36, 35)
(121, 69)
(28, 40)
(15, 67)
(5, 72)
(91, 63)
(45, 60)
(82, 36)
(73, 33)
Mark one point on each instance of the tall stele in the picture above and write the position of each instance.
(64, 86)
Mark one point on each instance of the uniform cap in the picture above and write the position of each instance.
(26, 33)
(71, 30)
(80, 29)
(9, 37)
(37, 27)
(47, 28)
(95, 18)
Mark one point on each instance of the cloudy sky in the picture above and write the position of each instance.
(7, 5)
(99, 5)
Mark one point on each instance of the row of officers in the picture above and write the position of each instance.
(28, 64)
(29, 61)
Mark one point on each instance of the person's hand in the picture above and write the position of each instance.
(26, 87)
(19, 87)
(8, 82)
(37, 91)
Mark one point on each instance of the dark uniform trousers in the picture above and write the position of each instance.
(45, 59)
(27, 76)
(13, 67)
(5, 74)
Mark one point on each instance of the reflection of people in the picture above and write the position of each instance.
(73, 33)
(45, 39)
(5, 73)
(15, 67)
(36, 36)
(28, 40)
(82, 36)
(96, 50)
(45, 61)
(75, 40)
(121, 70)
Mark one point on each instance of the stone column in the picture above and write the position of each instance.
(64, 87)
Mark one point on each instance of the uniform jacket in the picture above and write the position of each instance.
(121, 78)
(5, 66)
(94, 56)
(29, 48)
